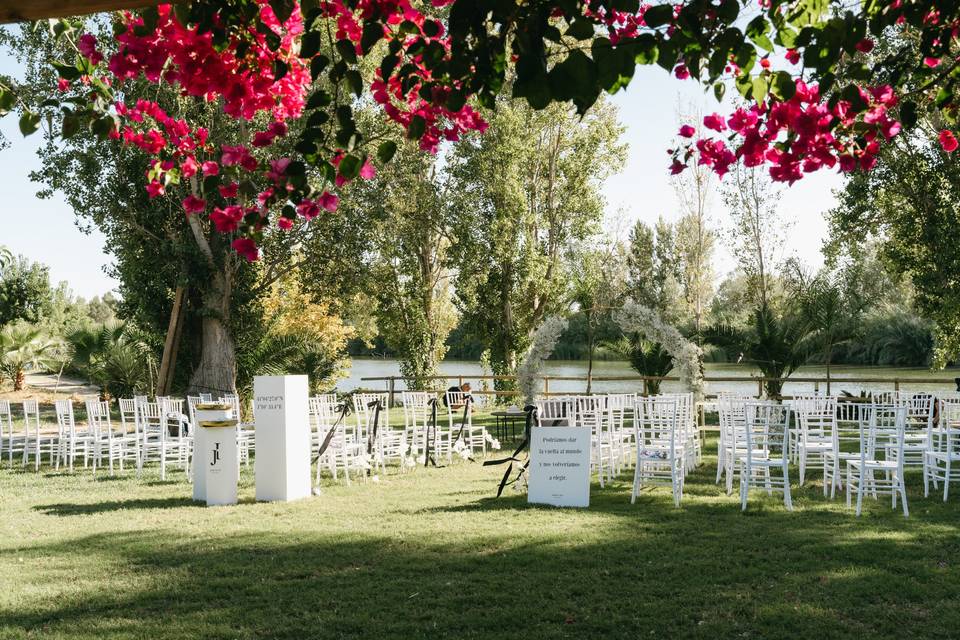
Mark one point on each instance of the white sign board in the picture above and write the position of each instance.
(282, 415)
(220, 465)
(559, 471)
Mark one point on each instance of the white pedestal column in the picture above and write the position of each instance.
(204, 413)
(282, 417)
(219, 462)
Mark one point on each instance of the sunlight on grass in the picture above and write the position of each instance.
(434, 553)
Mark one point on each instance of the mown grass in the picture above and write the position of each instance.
(433, 554)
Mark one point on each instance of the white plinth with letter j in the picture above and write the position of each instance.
(281, 413)
(204, 413)
(559, 466)
(218, 463)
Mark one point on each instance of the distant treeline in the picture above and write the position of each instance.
(896, 338)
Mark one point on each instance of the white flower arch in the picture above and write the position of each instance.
(687, 356)
(530, 370)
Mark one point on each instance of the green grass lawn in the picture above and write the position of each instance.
(432, 554)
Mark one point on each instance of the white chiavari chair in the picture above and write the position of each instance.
(660, 456)
(459, 406)
(592, 412)
(385, 443)
(72, 440)
(35, 441)
(765, 438)
(417, 416)
(10, 443)
(942, 459)
(882, 432)
(816, 426)
(556, 411)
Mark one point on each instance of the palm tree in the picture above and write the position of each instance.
(832, 321)
(6, 258)
(776, 344)
(26, 348)
(115, 358)
(646, 358)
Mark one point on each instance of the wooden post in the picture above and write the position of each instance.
(896, 384)
(760, 388)
(390, 385)
(171, 344)
(546, 385)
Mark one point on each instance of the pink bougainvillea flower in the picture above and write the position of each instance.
(229, 191)
(931, 62)
(368, 171)
(228, 219)
(284, 223)
(189, 167)
(865, 45)
(232, 156)
(687, 131)
(677, 167)
(948, 141)
(210, 168)
(329, 201)
(154, 189)
(87, 46)
(309, 209)
(63, 84)
(714, 121)
(193, 204)
(765, 63)
(681, 71)
(246, 248)
(793, 56)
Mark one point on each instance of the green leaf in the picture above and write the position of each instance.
(783, 87)
(760, 88)
(317, 65)
(658, 15)
(647, 50)
(310, 44)
(354, 81)
(386, 151)
(66, 71)
(417, 126)
(908, 114)
(372, 32)
(757, 31)
(319, 99)
(581, 29)
(347, 51)
(29, 122)
(71, 125)
(728, 11)
(7, 100)
(719, 89)
(282, 9)
(350, 166)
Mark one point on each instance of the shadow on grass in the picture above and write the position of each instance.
(75, 509)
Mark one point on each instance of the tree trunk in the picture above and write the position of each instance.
(217, 371)
(590, 347)
(18, 379)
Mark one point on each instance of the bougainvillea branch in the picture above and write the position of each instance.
(815, 94)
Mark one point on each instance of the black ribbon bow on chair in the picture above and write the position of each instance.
(333, 430)
(531, 412)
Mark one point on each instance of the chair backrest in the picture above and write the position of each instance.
(765, 429)
(65, 420)
(456, 401)
(816, 416)
(881, 431)
(656, 423)
(98, 417)
(128, 414)
(233, 400)
(556, 411)
(6, 420)
(31, 415)
(329, 397)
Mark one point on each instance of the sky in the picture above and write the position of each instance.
(46, 231)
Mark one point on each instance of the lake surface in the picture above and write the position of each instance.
(376, 367)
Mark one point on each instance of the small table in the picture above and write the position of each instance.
(507, 418)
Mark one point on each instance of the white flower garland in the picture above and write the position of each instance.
(687, 356)
(530, 370)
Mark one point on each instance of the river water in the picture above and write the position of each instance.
(376, 367)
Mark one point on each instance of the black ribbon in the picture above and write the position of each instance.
(326, 441)
(372, 437)
(531, 411)
(431, 434)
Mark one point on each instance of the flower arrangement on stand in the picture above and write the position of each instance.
(687, 356)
